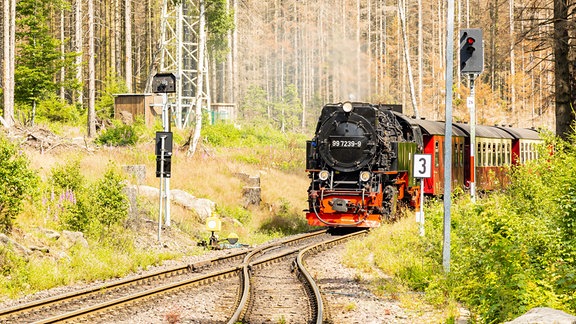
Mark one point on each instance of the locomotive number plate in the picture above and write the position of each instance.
(346, 144)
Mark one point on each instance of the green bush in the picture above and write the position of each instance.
(88, 208)
(514, 250)
(109, 200)
(510, 251)
(67, 199)
(54, 109)
(118, 135)
(67, 176)
(17, 181)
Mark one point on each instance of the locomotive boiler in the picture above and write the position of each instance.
(359, 165)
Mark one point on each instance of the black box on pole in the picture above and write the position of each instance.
(167, 143)
(166, 139)
(166, 169)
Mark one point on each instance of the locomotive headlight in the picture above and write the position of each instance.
(364, 176)
(323, 175)
(347, 106)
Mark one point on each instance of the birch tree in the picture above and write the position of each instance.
(128, 44)
(407, 57)
(78, 44)
(91, 72)
(200, 80)
(8, 60)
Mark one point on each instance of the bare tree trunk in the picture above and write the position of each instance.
(91, 72)
(358, 51)
(128, 32)
(235, 84)
(200, 80)
(62, 51)
(6, 62)
(512, 58)
(115, 38)
(420, 54)
(79, 40)
(564, 107)
(9, 43)
(493, 36)
(407, 57)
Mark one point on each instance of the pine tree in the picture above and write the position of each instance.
(39, 58)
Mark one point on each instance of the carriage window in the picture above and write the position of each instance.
(507, 153)
(490, 155)
(494, 154)
(478, 154)
(461, 154)
(436, 154)
(523, 152)
(497, 150)
(484, 155)
(487, 150)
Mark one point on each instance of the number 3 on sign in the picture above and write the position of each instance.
(422, 165)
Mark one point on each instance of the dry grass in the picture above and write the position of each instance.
(210, 173)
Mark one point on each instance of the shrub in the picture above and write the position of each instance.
(84, 207)
(17, 181)
(67, 199)
(67, 176)
(54, 109)
(109, 200)
(118, 135)
(514, 250)
(510, 251)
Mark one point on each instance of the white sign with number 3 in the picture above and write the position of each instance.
(422, 165)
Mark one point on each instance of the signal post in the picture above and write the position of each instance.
(164, 83)
(471, 65)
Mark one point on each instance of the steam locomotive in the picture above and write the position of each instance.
(360, 161)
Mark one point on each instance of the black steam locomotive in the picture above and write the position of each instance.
(359, 165)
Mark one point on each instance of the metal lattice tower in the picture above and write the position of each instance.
(183, 53)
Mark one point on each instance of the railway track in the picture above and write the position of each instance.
(227, 277)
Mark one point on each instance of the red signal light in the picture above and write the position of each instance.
(470, 40)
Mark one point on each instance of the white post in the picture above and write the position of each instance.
(166, 124)
(472, 106)
(422, 169)
(162, 139)
(422, 207)
(448, 135)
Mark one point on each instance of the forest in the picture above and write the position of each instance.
(279, 61)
